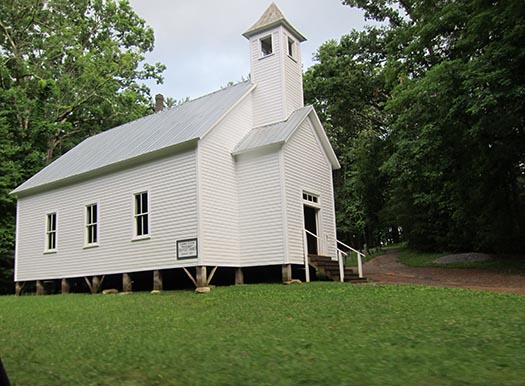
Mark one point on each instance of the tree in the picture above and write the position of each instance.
(67, 71)
(349, 92)
(458, 124)
(452, 119)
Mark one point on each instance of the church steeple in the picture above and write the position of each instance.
(276, 69)
(271, 18)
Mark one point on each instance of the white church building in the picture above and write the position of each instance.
(238, 178)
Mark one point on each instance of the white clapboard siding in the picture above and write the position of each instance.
(307, 169)
(261, 211)
(171, 183)
(267, 75)
(219, 208)
(293, 77)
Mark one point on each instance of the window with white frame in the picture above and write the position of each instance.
(141, 214)
(310, 198)
(290, 47)
(51, 231)
(266, 46)
(92, 224)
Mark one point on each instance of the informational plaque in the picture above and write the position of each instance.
(187, 249)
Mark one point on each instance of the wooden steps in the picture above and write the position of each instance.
(330, 268)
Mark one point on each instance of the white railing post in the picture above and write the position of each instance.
(306, 263)
(359, 264)
(359, 254)
(341, 266)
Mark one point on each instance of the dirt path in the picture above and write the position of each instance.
(387, 269)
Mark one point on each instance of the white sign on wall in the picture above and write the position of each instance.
(187, 249)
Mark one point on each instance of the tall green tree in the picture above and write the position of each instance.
(458, 122)
(349, 92)
(452, 112)
(67, 71)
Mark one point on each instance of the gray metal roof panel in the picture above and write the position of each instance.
(179, 124)
(271, 134)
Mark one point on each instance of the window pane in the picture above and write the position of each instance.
(94, 214)
(139, 225)
(266, 45)
(145, 224)
(144, 202)
(137, 204)
(92, 234)
(51, 243)
(51, 222)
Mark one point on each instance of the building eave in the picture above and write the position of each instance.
(299, 36)
(271, 18)
(227, 112)
(111, 168)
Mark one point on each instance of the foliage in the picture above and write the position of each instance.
(67, 71)
(348, 90)
(452, 163)
(321, 333)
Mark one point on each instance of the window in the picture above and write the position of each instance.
(310, 198)
(91, 224)
(51, 231)
(141, 214)
(290, 47)
(266, 45)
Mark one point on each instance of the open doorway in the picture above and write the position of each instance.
(310, 224)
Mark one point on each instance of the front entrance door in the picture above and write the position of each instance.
(310, 224)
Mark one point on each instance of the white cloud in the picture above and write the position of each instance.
(202, 45)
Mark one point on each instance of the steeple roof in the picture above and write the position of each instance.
(272, 17)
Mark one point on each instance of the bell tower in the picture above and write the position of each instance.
(276, 68)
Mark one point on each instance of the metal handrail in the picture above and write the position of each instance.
(359, 257)
(306, 263)
(310, 233)
(340, 256)
(349, 247)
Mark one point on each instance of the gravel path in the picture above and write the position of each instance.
(387, 269)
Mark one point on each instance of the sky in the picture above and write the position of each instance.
(201, 42)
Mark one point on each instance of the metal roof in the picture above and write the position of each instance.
(280, 132)
(272, 17)
(272, 134)
(180, 124)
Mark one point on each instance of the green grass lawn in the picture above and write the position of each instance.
(503, 264)
(322, 333)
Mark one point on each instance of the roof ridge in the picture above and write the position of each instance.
(211, 93)
(122, 125)
(283, 121)
(140, 137)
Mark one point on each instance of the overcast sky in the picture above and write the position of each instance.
(201, 42)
